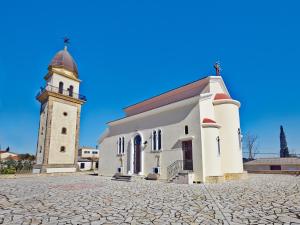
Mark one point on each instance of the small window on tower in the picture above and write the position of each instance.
(62, 149)
(64, 130)
(65, 113)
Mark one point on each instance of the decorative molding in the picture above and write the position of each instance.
(211, 125)
(53, 71)
(227, 101)
(46, 94)
(187, 138)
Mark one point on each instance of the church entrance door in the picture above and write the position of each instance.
(187, 150)
(137, 154)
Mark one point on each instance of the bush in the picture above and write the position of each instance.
(8, 171)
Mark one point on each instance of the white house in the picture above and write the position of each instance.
(88, 152)
(88, 158)
(194, 128)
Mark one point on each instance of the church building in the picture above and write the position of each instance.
(59, 116)
(194, 128)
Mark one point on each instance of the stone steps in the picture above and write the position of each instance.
(122, 178)
(183, 177)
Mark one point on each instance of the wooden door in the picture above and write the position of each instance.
(187, 155)
(137, 154)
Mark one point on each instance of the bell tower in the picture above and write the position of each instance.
(59, 116)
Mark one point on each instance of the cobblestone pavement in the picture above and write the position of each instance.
(84, 199)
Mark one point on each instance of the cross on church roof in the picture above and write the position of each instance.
(217, 67)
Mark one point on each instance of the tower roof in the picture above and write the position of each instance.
(63, 59)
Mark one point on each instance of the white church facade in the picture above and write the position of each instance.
(194, 128)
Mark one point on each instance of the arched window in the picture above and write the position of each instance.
(123, 145)
(71, 91)
(154, 140)
(119, 145)
(219, 147)
(159, 140)
(62, 149)
(61, 87)
(64, 130)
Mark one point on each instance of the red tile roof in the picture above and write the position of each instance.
(186, 91)
(207, 120)
(220, 96)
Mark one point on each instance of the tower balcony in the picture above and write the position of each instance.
(56, 90)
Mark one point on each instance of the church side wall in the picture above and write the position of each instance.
(172, 124)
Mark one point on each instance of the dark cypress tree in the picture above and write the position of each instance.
(284, 150)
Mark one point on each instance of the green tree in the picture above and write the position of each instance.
(284, 150)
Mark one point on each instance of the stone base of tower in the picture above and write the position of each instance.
(55, 168)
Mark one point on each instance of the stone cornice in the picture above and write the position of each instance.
(211, 125)
(227, 101)
(53, 71)
(45, 95)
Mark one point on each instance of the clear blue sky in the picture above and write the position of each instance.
(127, 51)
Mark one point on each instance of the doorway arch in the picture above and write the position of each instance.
(137, 154)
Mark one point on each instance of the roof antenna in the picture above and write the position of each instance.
(218, 69)
(66, 42)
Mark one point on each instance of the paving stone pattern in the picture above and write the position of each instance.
(84, 199)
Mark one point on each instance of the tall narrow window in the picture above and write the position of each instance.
(159, 140)
(186, 129)
(71, 91)
(64, 130)
(123, 145)
(218, 143)
(154, 140)
(61, 87)
(119, 146)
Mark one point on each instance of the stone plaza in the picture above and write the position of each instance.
(86, 199)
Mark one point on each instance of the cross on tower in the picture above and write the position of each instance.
(66, 42)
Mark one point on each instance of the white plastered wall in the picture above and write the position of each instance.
(56, 78)
(42, 134)
(58, 139)
(171, 122)
(212, 158)
(227, 115)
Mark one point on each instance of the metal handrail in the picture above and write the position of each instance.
(178, 166)
(61, 91)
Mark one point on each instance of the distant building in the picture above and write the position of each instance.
(59, 116)
(88, 152)
(273, 165)
(88, 158)
(5, 155)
